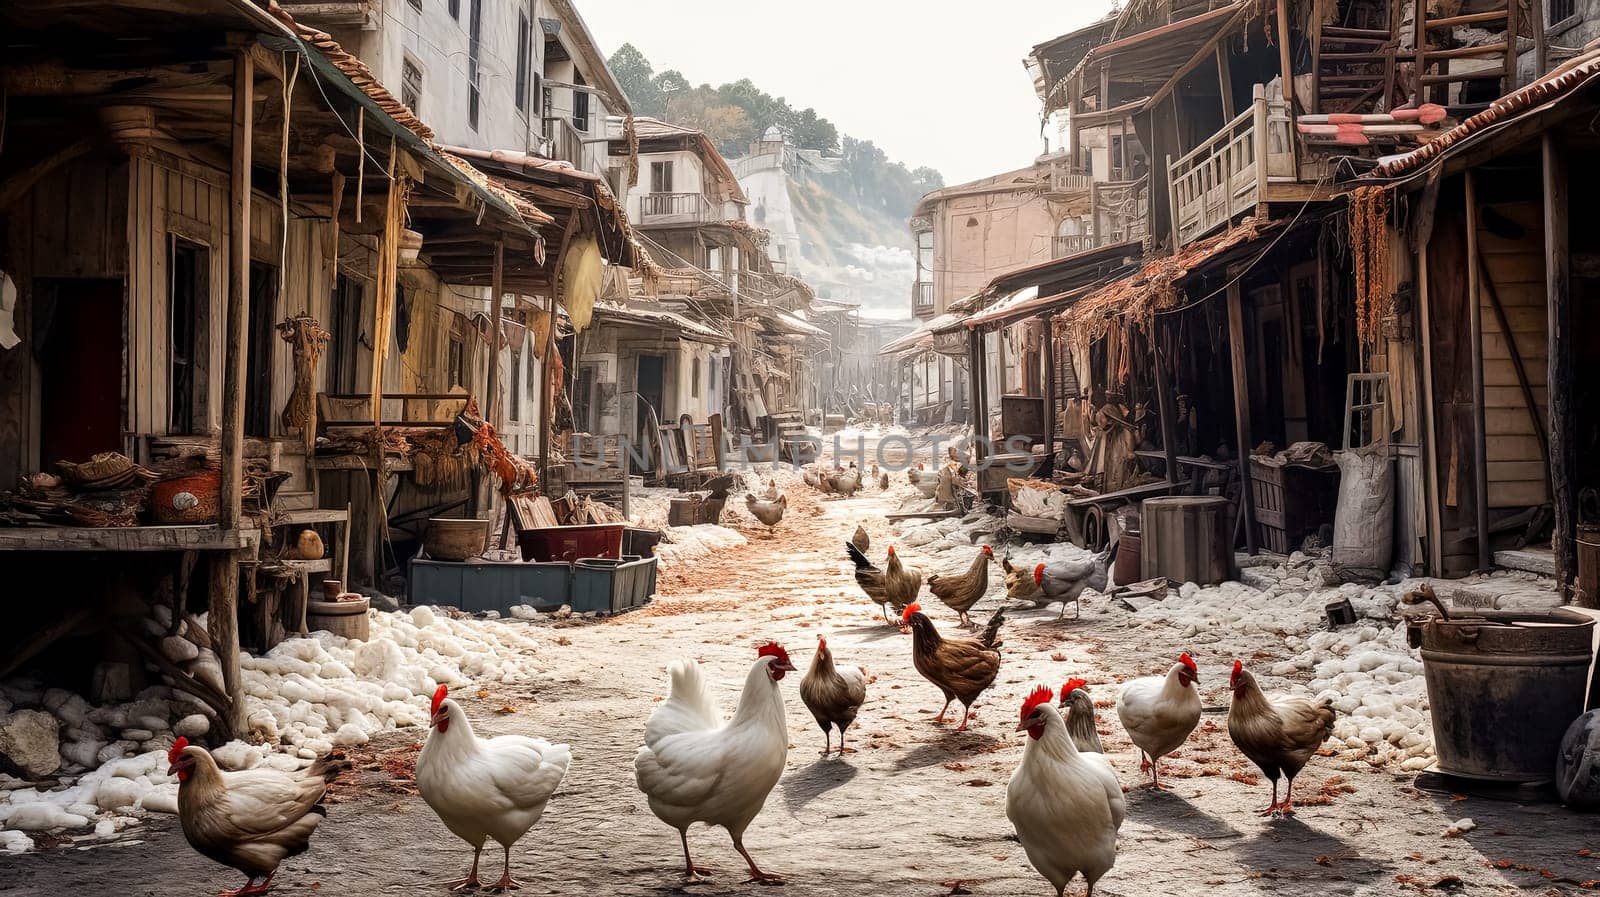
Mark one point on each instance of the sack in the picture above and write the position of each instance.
(1363, 526)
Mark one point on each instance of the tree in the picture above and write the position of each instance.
(811, 131)
(927, 180)
(637, 78)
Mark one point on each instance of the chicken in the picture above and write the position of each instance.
(695, 768)
(961, 592)
(962, 667)
(861, 540)
(1065, 581)
(1020, 584)
(1080, 717)
(250, 820)
(832, 694)
(1277, 735)
(883, 481)
(768, 512)
(900, 583)
(1066, 805)
(483, 788)
(847, 481)
(914, 475)
(811, 478)
(869, 577)
(1159, 712)
(771, 493)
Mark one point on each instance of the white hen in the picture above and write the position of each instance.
(1066, 805)
(1159, 712)
(484, 788)
(694, 768)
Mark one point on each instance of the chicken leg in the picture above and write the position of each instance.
(506, 882)
(940, 717)
(1272, 807)
(756, 875)
(471, 881)
(248, 888)
(691, 872)
(965, 712)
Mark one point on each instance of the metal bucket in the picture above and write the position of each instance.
(1503, 687)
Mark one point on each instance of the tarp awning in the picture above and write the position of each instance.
(1141, 63)
(640, 313)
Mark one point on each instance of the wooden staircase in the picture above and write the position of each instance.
(1354, 69)
(1433, 66)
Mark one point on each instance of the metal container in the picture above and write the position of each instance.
(186, 500)
(1130, 550)
(1503, 687)
(480, 587)
(455, 538)
(1186, 538)
(571, 543)
(612, 586)
(1588, 565)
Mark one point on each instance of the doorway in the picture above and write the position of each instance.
(258, 385)
(80, 367)
(652, 376)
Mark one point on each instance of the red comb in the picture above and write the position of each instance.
(1238, 666)
(438, 697)
(891, 550)
(773, 649)
(177, 748)
(1188, 661)
(905, 617)
(1038, 575)
(1072, 686)
(988, 551)
(1041, 695)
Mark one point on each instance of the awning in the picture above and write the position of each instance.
(1568, 79)
(655, 316)
(1036, 288)
(1142, 63)
(792, 323)
(920, 339)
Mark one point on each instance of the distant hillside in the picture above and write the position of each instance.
(851, 248)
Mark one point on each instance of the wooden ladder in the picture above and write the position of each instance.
(1354, 65)
(1503, 51)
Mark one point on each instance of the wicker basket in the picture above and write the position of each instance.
(187, 500)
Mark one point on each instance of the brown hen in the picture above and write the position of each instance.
(963, 668)
(961, 592)
(1277, 735)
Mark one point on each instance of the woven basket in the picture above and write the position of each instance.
(187, 500)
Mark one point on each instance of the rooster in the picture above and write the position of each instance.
(962, 667)
(869, 577)
(769, 512)
(1080, 716)
(1277, 735)
(833, 695)
(250, 820)
(961, 592)
(1066, 805)
(696, 768)
(1065, 581)
(484, 788)
(900, 583)
(1159, 712)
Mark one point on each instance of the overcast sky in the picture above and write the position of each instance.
(932, 83)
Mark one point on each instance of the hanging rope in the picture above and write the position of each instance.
(1369, 243)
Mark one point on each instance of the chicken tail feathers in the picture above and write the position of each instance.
(991, 632)
(329, 767)
(861, 560)
(688, 706)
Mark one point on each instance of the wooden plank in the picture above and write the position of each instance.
(1513, 397)
(1517, 494)
(126, 538)
(1500, 372)
(1563, 436)
(1480, 451)
(1509, 422)
(1513, 471)
(1513, 448)
(1241, 406)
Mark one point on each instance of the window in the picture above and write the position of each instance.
(348, 297)
(524, 58)
(694, 378)
(713, 382)
(580, 105)
(474, 51)
(411, 84)
(583, 398)
(1560, 10)
(455, 363)
(416, 4)
(1118, 159)
(924, 255)
(455, 10)
(661, 177)
(188, 292)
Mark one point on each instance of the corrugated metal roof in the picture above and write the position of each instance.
(1566, 79)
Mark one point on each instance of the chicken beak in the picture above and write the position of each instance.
(172, 770)
(1022, 726)
(784, 665)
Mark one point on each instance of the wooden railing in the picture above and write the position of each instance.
(562, 140)
(1226, 176)
(1121, 211)
(1064, 178)
(673, 208)
(922, 298)
(1063, 245)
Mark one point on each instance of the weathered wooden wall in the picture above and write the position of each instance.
(1515, 267)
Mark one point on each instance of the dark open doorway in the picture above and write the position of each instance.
(80, 362)
(263, 315)
(652, 375)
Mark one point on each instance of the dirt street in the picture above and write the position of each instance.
(918, 811)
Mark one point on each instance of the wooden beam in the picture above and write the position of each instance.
(1225, 79)
(1541, 41)
(496, 303)
(1048, 324)
(223, 620)
(1241, 408)
(1199, 56)
(1558, 312)
(1430, 442)
(1166, 407)
(1480, 438)
(15, 187)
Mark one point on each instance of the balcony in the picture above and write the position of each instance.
(1066, 179)
(922, 304)
(656, 209)
(562, 141)
(1226, 177)
(1063, 245)
(1121, 211)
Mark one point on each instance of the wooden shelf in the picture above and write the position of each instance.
(127, 538)
(321, 565)
(304, 516)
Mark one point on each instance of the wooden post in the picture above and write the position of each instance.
(496, 294)
(1558, 311)
(1283, 58)
(1225, 80)
(1430, 434)
(1049, 345)
(1419, 21)
(223, 613)
(980, 403)
(1541, 48)
(1513, 7)
(1172, 206)
(1241, 409)
(1165, 407)
(1480, 438)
